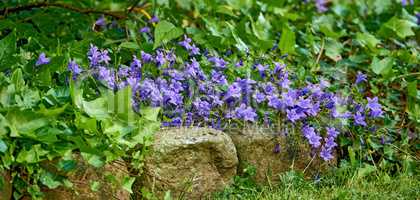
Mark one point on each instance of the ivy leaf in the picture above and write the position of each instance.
(400, 27)
(7, 49)
(333, 49)
(95, 185)
(383, 66)
(127, 183)
(287, 40)
(367, 39)
(48, 180)
(93, 159)
(165, 32)
(150, 113)
(3, 146)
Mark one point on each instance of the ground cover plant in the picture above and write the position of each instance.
(97, 78)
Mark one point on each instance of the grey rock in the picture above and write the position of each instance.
(257, 147)
(190, 162)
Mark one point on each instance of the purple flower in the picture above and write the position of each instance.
(360, 77)
(160, 58)
(108, 76)
(245, 113)
(135, 68)
(276, 148)
(326, 154)
(310, 134)
(374, 107)
(194, 50)
(74, 68)
(218, 62)
(93, 55)
(404, 2)
(234, 91)
(332, 132)
(218, 78)
(304, 103)
(104, 57)
(145, 29)
(261, 69)
(418, 18)
(154, 19)
(101, 21)
(275, 102)
(186, 42)
(359, 119)
(42, 60)
(292, 115)
(203, 107)
(96, 57)
(240, 63)
(146, 57)
(321, 5)
(259, 97)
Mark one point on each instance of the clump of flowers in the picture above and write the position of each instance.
(203, 91)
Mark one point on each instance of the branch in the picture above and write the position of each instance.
(5, 11)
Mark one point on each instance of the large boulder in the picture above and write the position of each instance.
(5, 185)
(273, 153)
(189, 162)
(109, 178)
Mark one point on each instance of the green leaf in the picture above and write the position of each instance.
(365, 171)
(130, 45)
(412, 89)
(333, 49)
(287, 40)
(367, 39)
(97, 108)
(167, 195)
(17, 79)
(7, 49)
(95, 185)
(48, 180)
(400, 27)
(93, 159)
(150, 113)
(127, 183)
(165, 32)
(383, 66)
(3, 146)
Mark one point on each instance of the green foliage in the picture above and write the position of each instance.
(44, 116)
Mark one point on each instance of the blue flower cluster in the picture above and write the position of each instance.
(202, 91)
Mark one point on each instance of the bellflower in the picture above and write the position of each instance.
(146, 57)
(310, 134)
(360, 77)
(218, 62)
(42, 60)
(245, 113)
(374, 107)
(218, 78)
(154, 19)
(359, 119)
(145, 29)
(234, 91)
(321, 5)
(74, 68)
(101, 22)
(326, 154)
(202, 107)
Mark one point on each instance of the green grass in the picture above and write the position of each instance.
(294, 186)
